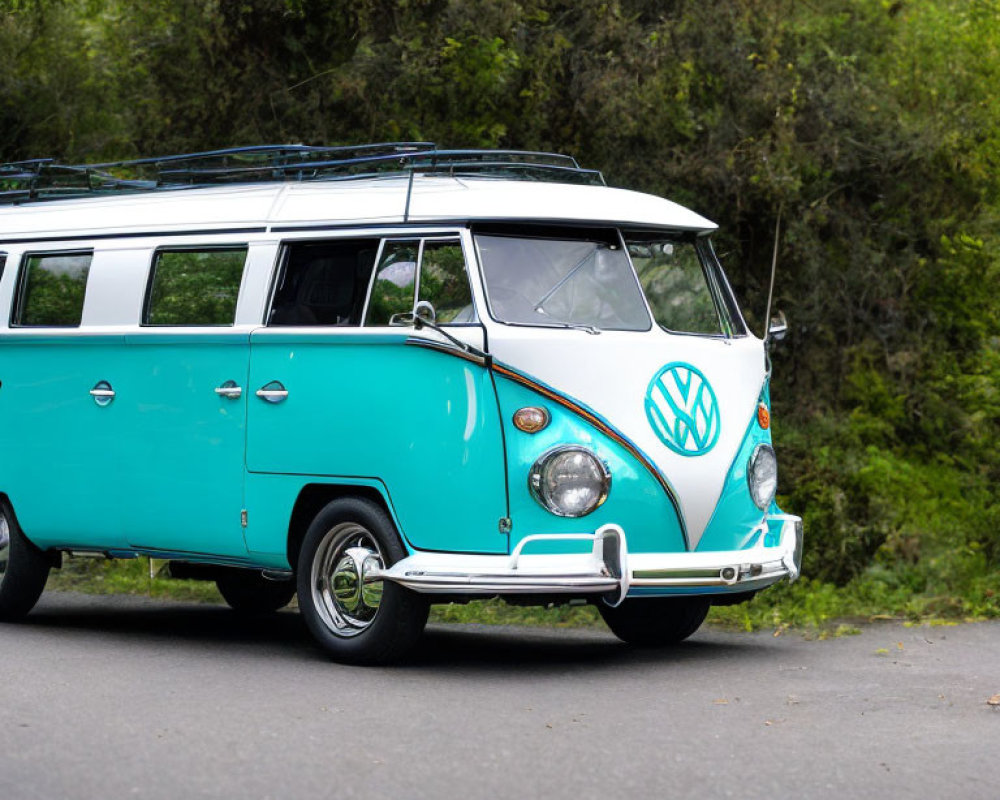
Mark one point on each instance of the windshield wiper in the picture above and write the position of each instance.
(539, 306)
(576, 326)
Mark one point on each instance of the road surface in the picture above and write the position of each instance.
(122, 697)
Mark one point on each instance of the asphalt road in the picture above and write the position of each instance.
(113, 697)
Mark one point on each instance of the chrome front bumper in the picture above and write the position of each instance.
(608, 568)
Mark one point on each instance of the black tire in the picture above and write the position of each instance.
(249, 592)
(375, 623)
(23, 569)
(656, 621)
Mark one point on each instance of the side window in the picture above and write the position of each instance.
(395, 282)
(194, 287)
(444, 283)
(432, 270)
(323, 283)
(52, 289)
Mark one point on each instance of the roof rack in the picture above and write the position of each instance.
(45, 179)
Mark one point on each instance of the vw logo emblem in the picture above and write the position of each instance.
(682, 409)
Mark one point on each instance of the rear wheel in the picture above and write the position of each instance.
(355, 619)
(23, 569)
(249, 592)
(656, 621)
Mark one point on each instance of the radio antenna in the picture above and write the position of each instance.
(774, 269)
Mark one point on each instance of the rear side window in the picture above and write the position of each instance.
(52, 289)
(194, 287)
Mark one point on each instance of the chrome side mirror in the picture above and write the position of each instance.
(425, 312)
(777, 327)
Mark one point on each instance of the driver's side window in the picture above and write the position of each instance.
(426, 276)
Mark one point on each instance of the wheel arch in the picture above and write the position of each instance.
(54, 556)
(314, 496)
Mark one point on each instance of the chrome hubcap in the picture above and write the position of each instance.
(346, 592)
(4, 545)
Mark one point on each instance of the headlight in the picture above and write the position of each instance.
(762, 475)
(569, 481)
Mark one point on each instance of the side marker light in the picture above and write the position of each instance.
(531, 419)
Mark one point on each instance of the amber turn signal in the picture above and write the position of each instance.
(531, 419)
(763, 416)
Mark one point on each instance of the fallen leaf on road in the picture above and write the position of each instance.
(994, 701)
(722, 701)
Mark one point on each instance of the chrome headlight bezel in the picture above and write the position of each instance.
(762, 488)
(537, 482)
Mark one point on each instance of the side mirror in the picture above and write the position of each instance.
(425, 312)
(777, 327)
(402, 318)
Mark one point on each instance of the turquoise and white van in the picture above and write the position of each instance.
(382, 377)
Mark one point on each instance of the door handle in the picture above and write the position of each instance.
(102, 393)
(273, 392)
(229, 389)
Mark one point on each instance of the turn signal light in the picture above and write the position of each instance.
(763, 416)
(531, 419)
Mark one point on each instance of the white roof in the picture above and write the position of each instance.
(372, 201)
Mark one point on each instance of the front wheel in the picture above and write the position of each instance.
(357, 620)
(23, 569)
(656, 621)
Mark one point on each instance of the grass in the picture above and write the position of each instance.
(813, 608)
(127, 576)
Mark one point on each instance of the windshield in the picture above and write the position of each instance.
(571, 283)
(677, 286)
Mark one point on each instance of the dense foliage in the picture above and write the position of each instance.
(871, 126)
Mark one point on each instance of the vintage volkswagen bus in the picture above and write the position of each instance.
(380, 378)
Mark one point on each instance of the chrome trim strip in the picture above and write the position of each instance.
(446, 349)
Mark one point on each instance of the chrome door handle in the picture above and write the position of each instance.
(272, 392)
(229, 389)
(102, 393)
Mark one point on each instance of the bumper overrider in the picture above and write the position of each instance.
(608, 569)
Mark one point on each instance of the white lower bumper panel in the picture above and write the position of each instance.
(607, 569)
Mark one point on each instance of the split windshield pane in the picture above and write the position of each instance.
(554, 282)
(675, 283)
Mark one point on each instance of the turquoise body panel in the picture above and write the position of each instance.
(636, 500)
(182, 444)
(736, 516)
(371, 407)
(59, 460)
(160, 467)
(270, 499)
